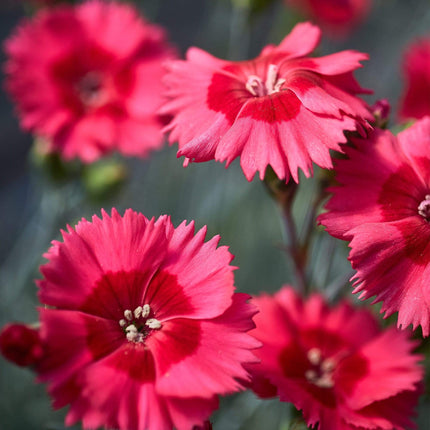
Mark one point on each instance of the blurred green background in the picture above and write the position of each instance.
(34, 208)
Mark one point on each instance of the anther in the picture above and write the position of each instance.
(255, 85)
(328, 365)
(311, 375)
(424, 208)
(128, 314)
(122, 323)
(314, 356)
(325, 381)
(131, 333)
(145, 311)
(153, 323)
(258, 88)
(137, 312)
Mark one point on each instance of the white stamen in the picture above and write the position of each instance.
(328, 365)
(325, 381)
(128, 314)
(153, 323)
(258, 88)
(278, 85)
(122, 323)
(137, 312)
(254, 85)
(272, 74)
(424, 207)
(131, 333)
(146, 311)
(314, 356)
(311, 375)
(321, 376)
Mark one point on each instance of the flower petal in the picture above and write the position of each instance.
(214, 370)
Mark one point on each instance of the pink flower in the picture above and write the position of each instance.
(143, 329)
(281, 109)
(20, 344)
(415, 101)
(382, 206)
(336, 16)
(335, 364)
(88, 79)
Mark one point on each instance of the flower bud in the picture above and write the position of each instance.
(20, 344)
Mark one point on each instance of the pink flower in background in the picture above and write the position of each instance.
(281, 109)
(339, 17)
(415, 101)
(382, 206)
(334, 364)
(21, 344)
(142, 329)
(88, 79)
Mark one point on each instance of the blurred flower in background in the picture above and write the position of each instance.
(282, 109)
(415, 102)
(338, 17)
(335, 363)
(87, 78)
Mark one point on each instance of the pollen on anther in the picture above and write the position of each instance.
(122, 323)
(153, 323)
(131, 332)
(328, 365)
(314, 356)
(128, 314)
(146, 310)
(311, 375)
(138, 312)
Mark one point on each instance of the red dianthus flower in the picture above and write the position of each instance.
(281, 109)
(143, 329)
(415, 102)
(382, 206)
(337, 16)
(335, 364)
(88, 79)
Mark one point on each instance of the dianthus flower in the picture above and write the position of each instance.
(335, 364)
(142, 329)
(337, 16)
(281, 109)
(382, 206)
(415, 101)
(87, 78)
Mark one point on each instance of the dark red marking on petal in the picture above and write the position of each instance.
(116, 292)
(176, 340)
(350, 371)
(277, 107)
(119, 291)
(401, 194)
(227, 94)
(136, 360)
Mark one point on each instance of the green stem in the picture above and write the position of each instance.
(284, 195)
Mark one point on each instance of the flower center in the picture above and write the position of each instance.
(137, 325)
(321, 371)
(258, 88)
(91, 90)
(424, 208)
